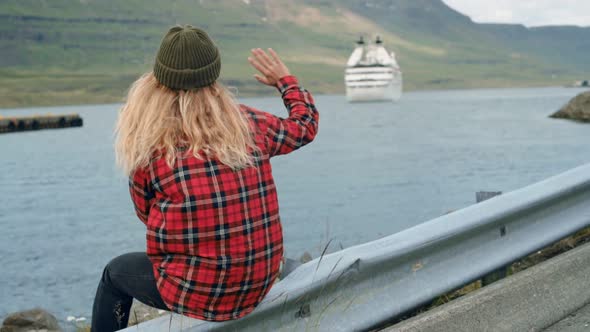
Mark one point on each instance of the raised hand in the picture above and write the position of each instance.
(271, 67)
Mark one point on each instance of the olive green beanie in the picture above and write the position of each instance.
(187, 59)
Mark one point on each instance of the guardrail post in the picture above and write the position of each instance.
(501, 272)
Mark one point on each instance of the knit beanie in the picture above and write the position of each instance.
(187, 59)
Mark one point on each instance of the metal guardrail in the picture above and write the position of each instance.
(363, 286)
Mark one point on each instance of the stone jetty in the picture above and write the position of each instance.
(38, 122)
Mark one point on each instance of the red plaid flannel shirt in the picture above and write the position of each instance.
(214, 235)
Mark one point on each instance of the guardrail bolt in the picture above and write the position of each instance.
(502, 230)
(304, 311)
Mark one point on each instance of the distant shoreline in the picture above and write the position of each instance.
(265, 93)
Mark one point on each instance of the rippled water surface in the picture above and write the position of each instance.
(374, 169)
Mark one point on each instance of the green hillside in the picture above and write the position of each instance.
(89, 51)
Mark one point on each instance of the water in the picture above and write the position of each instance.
(374, 169)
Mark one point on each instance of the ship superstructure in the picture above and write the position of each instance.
(372, 73)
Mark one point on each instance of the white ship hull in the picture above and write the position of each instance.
(391, 91)
(373, 84)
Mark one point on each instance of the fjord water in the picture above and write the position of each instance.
(374, 169)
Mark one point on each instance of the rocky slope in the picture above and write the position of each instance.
(577, 109)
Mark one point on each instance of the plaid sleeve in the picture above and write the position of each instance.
(141, 194)
(300, 128)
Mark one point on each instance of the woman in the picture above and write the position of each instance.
(201, 182)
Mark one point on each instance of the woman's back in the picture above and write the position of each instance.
(213, 233)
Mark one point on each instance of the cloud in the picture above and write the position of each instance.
(527, 12)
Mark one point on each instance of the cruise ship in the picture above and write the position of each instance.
(372, 73)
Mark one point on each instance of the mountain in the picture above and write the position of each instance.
(89, 51)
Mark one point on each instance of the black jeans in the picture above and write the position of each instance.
(124, 278)
(131, 276)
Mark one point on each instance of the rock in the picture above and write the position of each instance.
(577, 109)
(30, 320)
(142, 313)
(306, 257)
(289, 265)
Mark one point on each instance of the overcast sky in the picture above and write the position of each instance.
(527, 12)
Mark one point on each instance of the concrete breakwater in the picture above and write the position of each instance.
(38, 122)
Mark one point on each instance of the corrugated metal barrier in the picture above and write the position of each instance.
(363, 286)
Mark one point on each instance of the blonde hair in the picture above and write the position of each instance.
(158, 120)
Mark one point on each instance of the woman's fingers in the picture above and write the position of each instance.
(261, 68)
(263, 57)
(275, 56)
(271, 67)
(258, 57)
(281, 69)
(262, 62)
(261, 79)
